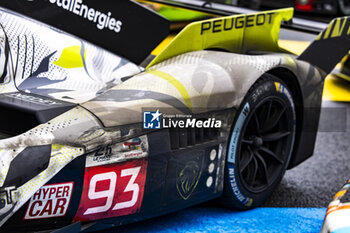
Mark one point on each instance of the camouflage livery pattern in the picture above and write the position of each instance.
(65, 68)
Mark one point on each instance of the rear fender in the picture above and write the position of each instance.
(227, 77)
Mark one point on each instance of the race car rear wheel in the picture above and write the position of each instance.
(260, 145)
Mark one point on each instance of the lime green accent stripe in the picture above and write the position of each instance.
(71, 58)
(328, 30)
(176, 83)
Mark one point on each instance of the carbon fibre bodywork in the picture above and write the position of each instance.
(91, 160)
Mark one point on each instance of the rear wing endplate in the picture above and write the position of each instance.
(331, 45)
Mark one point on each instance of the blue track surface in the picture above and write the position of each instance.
(203, 219)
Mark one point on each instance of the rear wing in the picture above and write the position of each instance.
(238, 34)
(330, 46)
(123, 27)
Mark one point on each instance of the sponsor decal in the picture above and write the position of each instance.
(232, 156)
(32, 99)
(50, 201)
(8, 200)
(236, 132)
(10, 193)
(8, 196)
(153, 120)
(282, 89)
(102, 20)
(102, 154)
(134, 144)
(187, 179)
(233, 23)
(112, 190)
(133, 148)
(235, 189)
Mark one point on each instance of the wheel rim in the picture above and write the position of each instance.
(265, 144)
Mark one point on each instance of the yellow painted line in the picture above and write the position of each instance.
(176, 83)
(336, 89)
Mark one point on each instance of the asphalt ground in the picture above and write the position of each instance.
(314, 182)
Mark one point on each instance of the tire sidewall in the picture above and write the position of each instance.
(267, 87)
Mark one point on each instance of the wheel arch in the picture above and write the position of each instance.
(291, 80)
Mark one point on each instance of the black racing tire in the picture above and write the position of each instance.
(344, 7)
(260, 144)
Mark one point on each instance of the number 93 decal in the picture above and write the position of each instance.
(112, 190)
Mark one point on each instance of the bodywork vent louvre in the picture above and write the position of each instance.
(185, 137)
